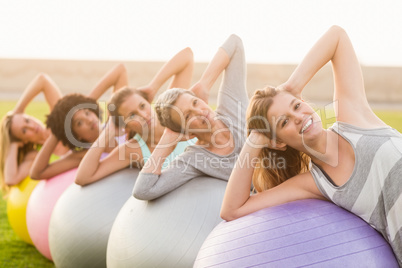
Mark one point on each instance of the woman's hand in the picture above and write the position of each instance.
(171, 138)
(18, 144)
(259, 140)
(287, 87)
(201, 91)
(149, 92)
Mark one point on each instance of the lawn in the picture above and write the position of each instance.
(16, 253)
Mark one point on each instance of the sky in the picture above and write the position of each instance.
(273, 31)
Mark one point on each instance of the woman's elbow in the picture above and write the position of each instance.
(228, 215)
(337, 29)
(79, 180)
(140, 195)
(35, 175)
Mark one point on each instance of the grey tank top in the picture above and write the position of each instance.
(373, 191)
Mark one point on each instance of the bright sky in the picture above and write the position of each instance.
(273, 31)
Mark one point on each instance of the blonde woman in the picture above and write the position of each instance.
(220, 134)
(22, 135)
(357, 163)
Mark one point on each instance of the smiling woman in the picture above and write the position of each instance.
(75, 121)
(130, 110)
(21, 134)
(356, 163)
(220, 133)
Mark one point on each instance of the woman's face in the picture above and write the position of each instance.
(86, 125)
(193, 114)
(293, 121)
(28, 129)
(137, 114)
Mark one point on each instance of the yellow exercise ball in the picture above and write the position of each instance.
(17, 202)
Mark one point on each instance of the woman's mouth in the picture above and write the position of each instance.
(307, 125)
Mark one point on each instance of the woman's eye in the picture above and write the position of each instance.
(142, 106)
(195, 102)
(132, 116)
(284, 122)
(297, 106)
(78, 123)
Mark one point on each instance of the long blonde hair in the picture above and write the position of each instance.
(6, 138)
(274, 166)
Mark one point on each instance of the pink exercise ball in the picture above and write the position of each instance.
(40, 207)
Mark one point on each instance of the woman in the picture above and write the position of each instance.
(357, 163)
(130, 109)
(220, 134)
(84, 115)
(22, 134)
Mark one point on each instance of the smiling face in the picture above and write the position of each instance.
(293, 121)
(193, 114)
(28, 129)
(86, 125)
(137, 114)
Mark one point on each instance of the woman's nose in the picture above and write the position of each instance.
(143, 114)
(298, 118)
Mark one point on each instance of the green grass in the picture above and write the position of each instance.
(13, 251)
(16, 253)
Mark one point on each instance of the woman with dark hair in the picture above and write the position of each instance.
(356, 163)
(130, 109)
(75, 121)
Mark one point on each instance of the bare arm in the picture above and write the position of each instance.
(335, 46)
(117, 78)
(216, 66)
(41, 83)
(42, 170)
(237, 201)
(14, 173)
(92, 168)
(180, 67)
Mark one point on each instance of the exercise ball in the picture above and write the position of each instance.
(310, 232)
(40, 207)
(83, 217)
(17, 201)
(168, 231)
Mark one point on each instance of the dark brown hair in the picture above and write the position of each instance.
(69, 104)
(115, 102)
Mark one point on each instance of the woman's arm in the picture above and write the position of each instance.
(214, 69)
(237, 201)
(351, 103)
(14, 173)
(152, 182)
(41, 83)
(180, 67)
(42, 170)
(92, 168)
(117, 78)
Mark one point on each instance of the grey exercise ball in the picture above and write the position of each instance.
(168, 231)
(83, 217)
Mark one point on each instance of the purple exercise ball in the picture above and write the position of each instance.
(310, 232)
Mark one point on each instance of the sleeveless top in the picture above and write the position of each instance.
(373, 191)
